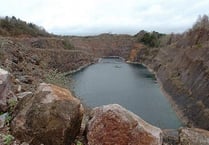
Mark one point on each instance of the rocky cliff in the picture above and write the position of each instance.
(31, 59)
(182, 65)
(104, 44)
(181, 62)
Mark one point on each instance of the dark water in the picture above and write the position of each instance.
(132, 86)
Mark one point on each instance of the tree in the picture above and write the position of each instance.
(151, 39)
(11, 26)
(202, 22)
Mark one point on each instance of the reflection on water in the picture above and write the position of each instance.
(132, 86)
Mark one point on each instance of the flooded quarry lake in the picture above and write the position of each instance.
(132, 86)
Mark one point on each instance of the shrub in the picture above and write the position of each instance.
(8, 119)
(7, 139)
(12, 102)
(79, 143)
(67, 44)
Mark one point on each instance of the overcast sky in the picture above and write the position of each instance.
(88, 17)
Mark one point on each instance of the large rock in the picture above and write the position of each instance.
(3, 120)
(114, 125)
(193, 136)
(170, 137)
(52, 116)
(5, 84)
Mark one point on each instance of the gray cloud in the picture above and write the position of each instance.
(88, 17)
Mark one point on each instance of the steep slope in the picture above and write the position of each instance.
(182, 66)
(104, 44)
(34, 57)
(30, 64)
(181, 61)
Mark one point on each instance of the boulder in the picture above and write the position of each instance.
(5, 86)
(193, 136)
(170, 137)
(52, 116)
(23, 94)
(113, 124)
(26, 79)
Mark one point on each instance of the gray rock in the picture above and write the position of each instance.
(24, 94)
(193, 136)
(25, 143)
(170, 137)
(3, 120)
(26, 79)
(5, 86)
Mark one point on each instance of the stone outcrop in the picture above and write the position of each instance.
(170, 137)
(182, 67)
(105, 44)
(193, 136)
(52, 116)
(5, 84)
(113, 124)
(3, 120)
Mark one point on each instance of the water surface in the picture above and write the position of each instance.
(132, 86)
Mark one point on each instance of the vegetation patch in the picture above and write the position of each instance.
(7, 139)
(67, 44)
(151, 39)
(11, 26)
(57, 78)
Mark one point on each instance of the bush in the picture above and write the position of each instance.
(7, 139)
(8, 119)
(67, 44)
(12, 102)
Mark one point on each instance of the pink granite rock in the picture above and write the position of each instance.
(52, 116)
(114, 125)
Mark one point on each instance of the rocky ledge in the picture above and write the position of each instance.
(53, 116)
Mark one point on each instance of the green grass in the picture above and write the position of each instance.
(7, 139)
(12, 103)
(57, 78)
(8, 119)
(79, 143)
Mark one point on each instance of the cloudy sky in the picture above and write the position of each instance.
(89, 17)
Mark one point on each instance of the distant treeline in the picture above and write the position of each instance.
(198, 34)
(11, 26)
(151, 39)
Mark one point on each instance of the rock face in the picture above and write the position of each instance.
(194, 136)
(5, 85)
(105, 44)
(170, 137)
(182, 66)
(113, 124)
(52, 116)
